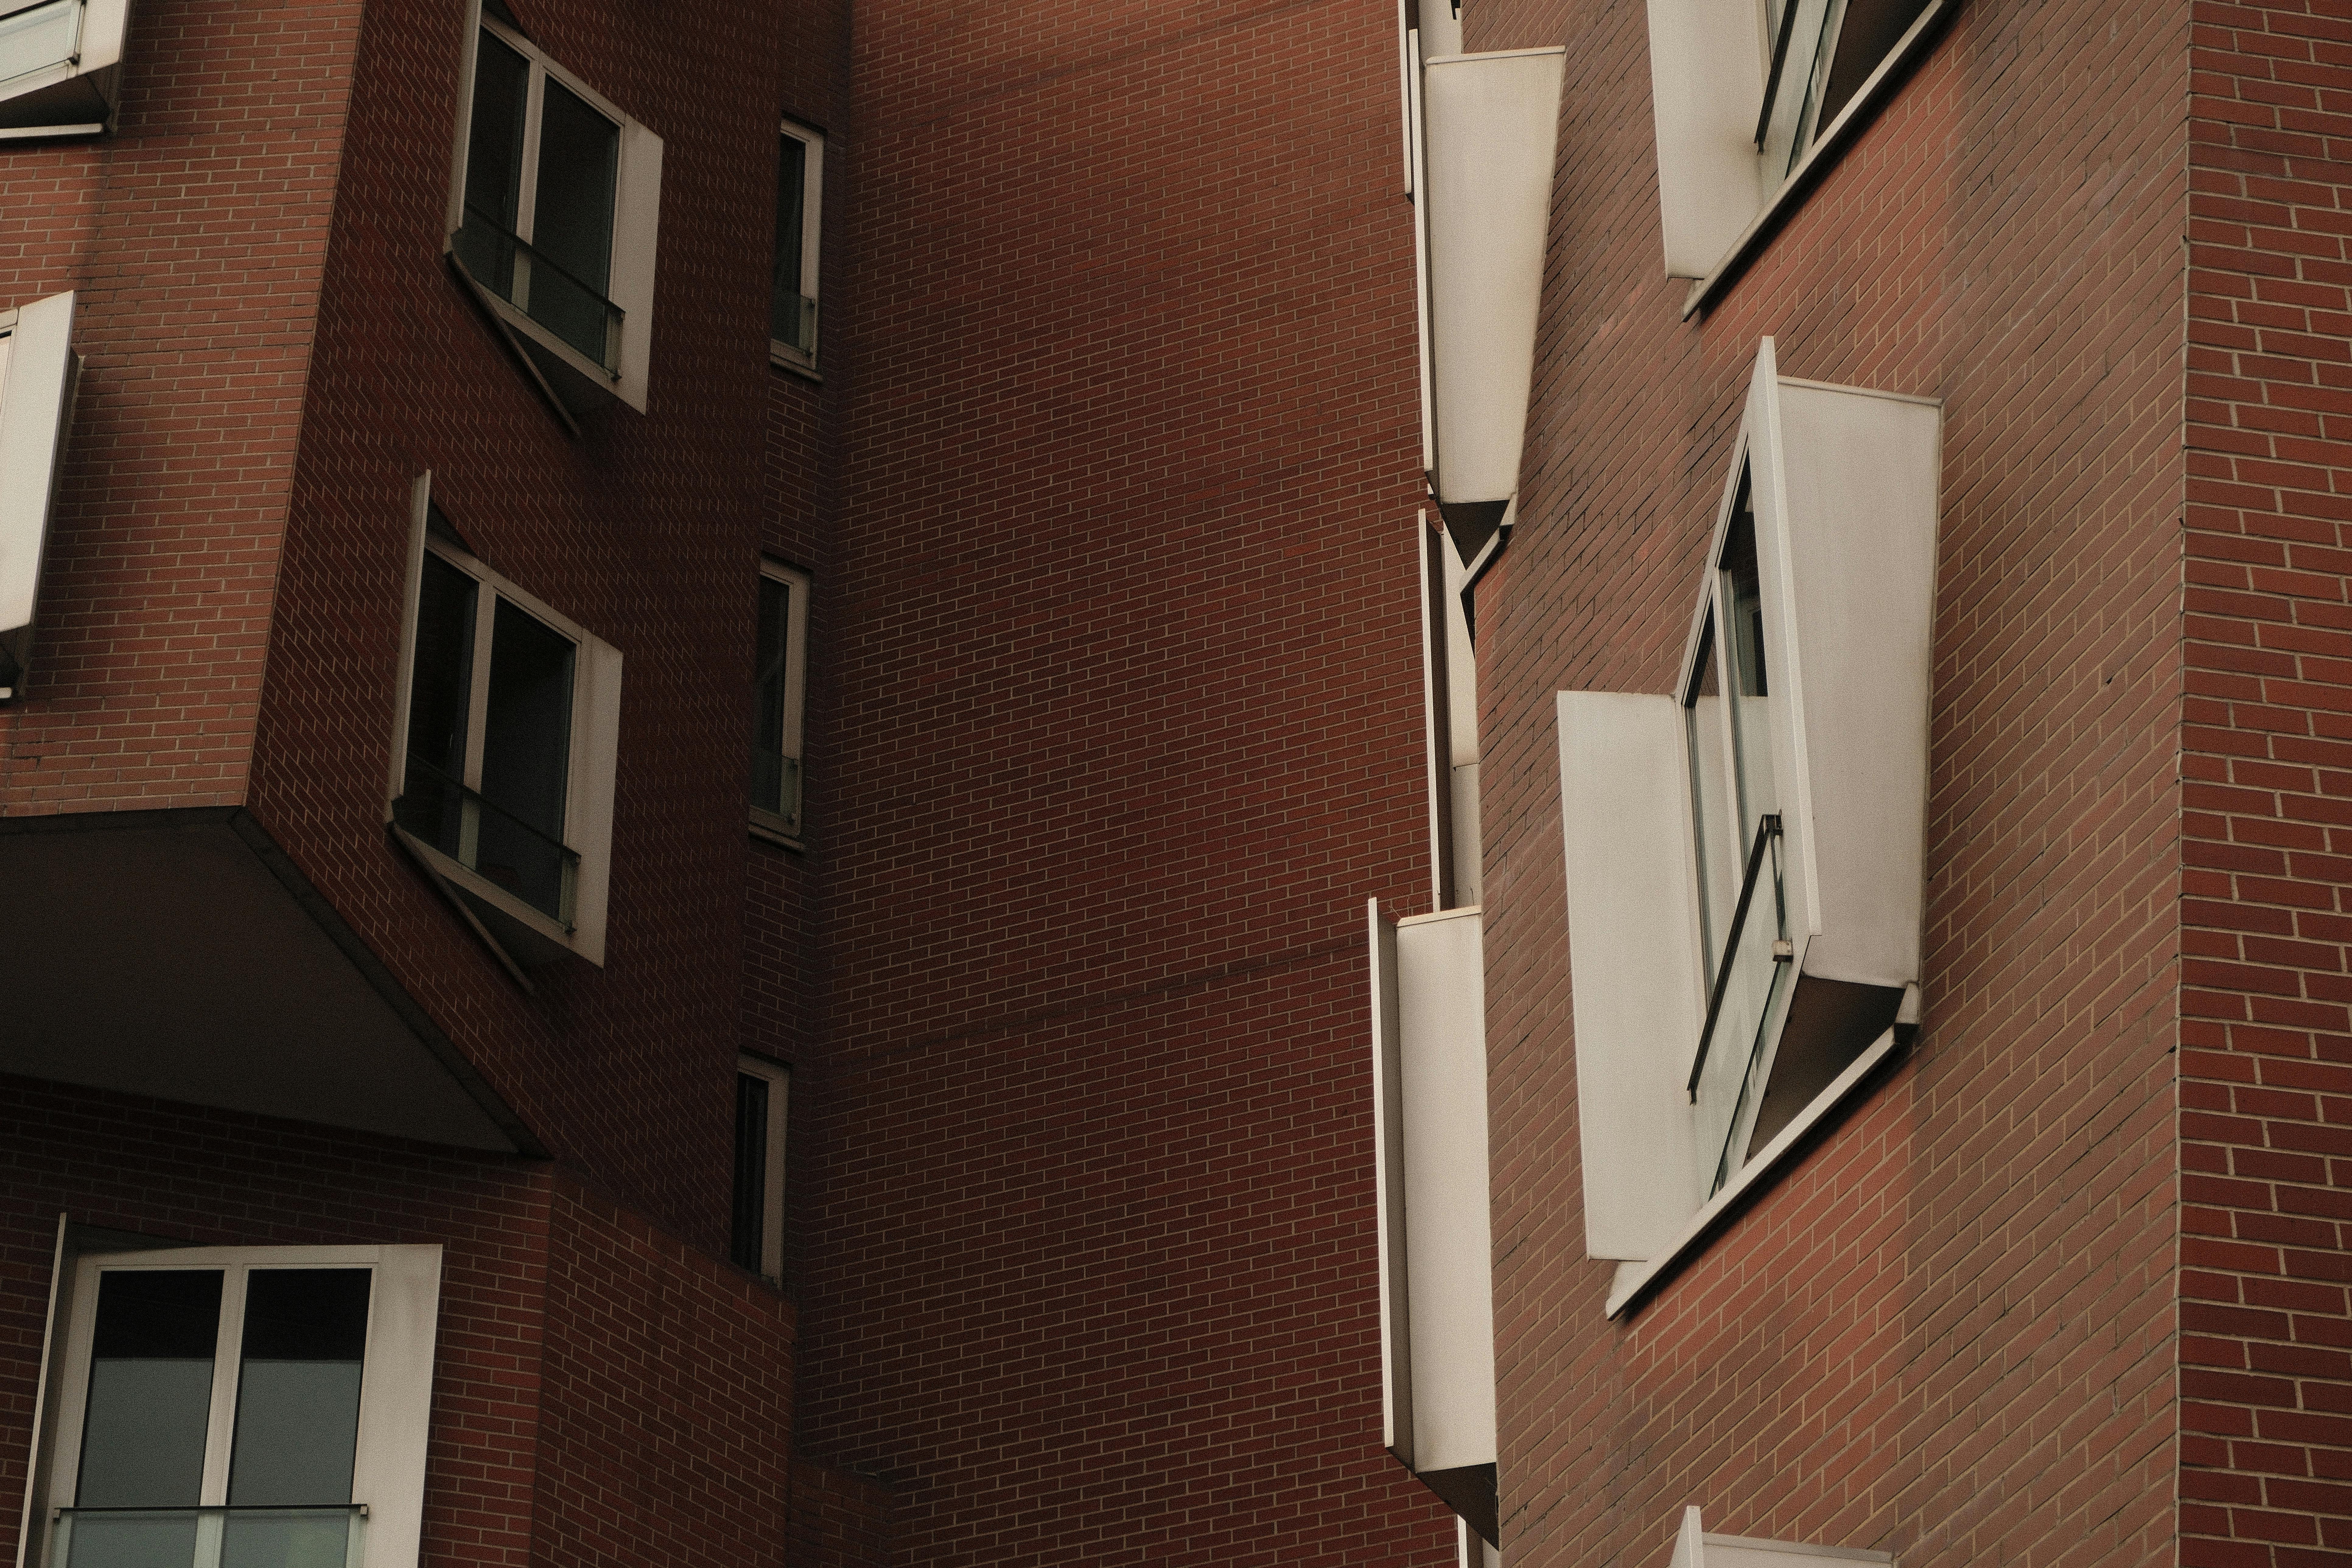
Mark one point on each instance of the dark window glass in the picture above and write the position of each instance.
(526, 757)
(151, 1387)
(494, 163)
(785, 282)
(572, 219)
(297, 1392)
(751, 1226)
(773, 671)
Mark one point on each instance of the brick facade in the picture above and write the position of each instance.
(1950, 1331)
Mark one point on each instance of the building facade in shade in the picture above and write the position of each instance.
(1897, 1037)
(693, 709)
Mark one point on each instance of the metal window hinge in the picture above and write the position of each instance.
(1784, 952)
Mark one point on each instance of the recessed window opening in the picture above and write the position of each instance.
(542, 169)
(779, 686)
(762, 1094)
(793, 277)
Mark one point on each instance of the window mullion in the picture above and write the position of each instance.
(220, 1430)
(526, 193)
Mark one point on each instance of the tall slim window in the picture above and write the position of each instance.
(762, 1094)
(779, 696)
(799, 198)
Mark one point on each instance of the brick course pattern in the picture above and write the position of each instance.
(1948, 1330)
(2266, 1037)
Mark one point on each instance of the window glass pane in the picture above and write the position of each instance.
(1865, 36)
(571, 220)
(1749, 671)
(494, 163)
(440, 688)
(526, 760)
(784, 283)
(1718, 861)
(751, 1170)
(298, 1393)
(150, 1385)
(42, 37)
(773, 673)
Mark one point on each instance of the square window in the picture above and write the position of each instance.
(553, 217)
(38, 371)
(240, 1404)
(800, 202)
(763, 1101)
(505, 750)
(780, 695)
(60, 65)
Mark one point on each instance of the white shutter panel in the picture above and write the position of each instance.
(35, 396)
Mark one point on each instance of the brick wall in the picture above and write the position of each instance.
(195, 238)
(2266, 1353)
(1950, 1331)
(1122, 707)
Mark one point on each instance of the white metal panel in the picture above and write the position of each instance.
(1633, 965)
(1491, 124)
(1442, 1062)
(1694, 1547)
(1860, 474)
(590, 827)
(396, 1403)
(103, 24)
(1791, 749)
(35, 395)
(1707, 59)
(636, 235)
(44, 1409)
(1388, 1178)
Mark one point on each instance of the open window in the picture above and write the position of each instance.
(1745, 855)
(1748, 93)
(779, 700)
(799, 202)
(762, 1101)
(60, 65)
(37, 371)
(229, 1405)
(504, 754)
(554, 216)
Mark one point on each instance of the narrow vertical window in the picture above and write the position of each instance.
(792, 276)
(762, 1095)
(779, 696)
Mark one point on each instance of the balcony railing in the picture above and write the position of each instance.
(492, 843)
(1749, 983)
(508, 266)
(327, 1535)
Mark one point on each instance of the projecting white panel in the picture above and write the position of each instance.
(1633, 965)
(1847, 497)
(1707, 86)
(1491, 120)
(1429, 1098)
(635, 242)
(1694, 1548)
(35, 392)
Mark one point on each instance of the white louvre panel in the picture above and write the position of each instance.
(1491, 124)
(1633, 965)
(35, 390)
(1430, 1106)
(1846, 502)
(1707, 86)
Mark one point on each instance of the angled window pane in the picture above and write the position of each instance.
(150, 1384)
(494, 163)
(1749, 672)
(571, 220)
(298, 1393)
(774, 774)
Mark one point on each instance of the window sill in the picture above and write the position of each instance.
(1818, 158)
(770, 828)
(786, 357)
(1635, 1281)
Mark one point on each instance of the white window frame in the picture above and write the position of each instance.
(1719, 193)
(765, 822)
(75, 96)
(396, 1384)
(779, 1080)
(595, 731)
(38, 370)
(573, 379)
(812, 144)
